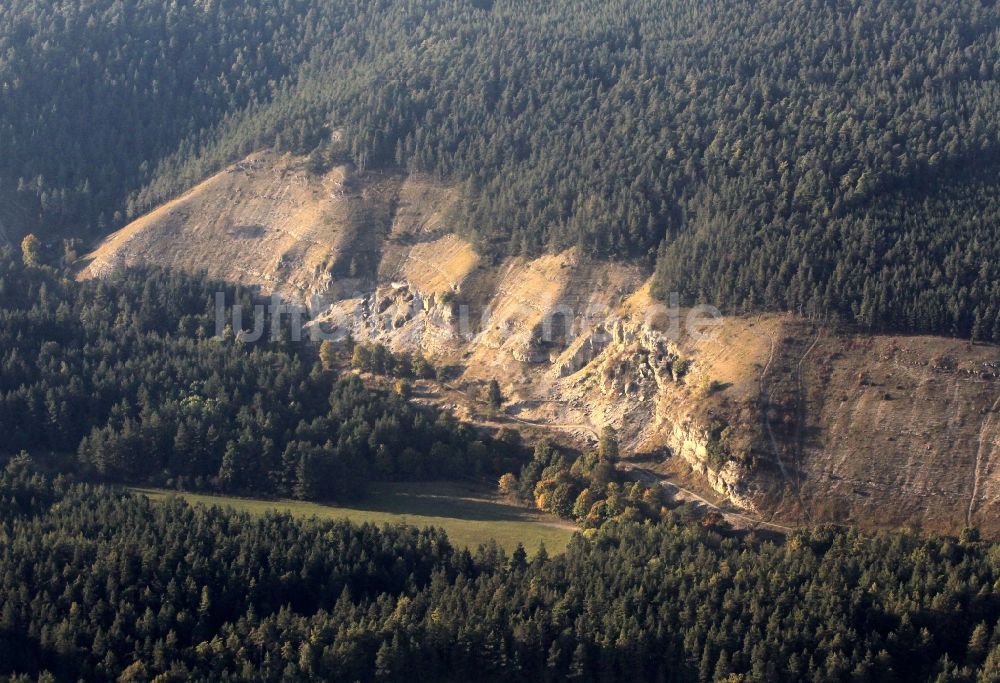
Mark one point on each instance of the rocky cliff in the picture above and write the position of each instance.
(787, 419)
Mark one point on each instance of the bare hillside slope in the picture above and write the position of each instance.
(789, 421)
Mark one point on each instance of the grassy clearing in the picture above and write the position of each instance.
(469, 514)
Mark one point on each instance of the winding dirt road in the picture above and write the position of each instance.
(737, 519)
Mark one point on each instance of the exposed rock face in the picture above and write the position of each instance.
(583, 352)
(772, 413)
(398, 316)
(733, 480)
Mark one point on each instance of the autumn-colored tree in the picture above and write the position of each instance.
(31, 250)
(403, 388)
(507, 485)
(583, 503)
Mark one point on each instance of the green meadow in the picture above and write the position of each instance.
(469, 514)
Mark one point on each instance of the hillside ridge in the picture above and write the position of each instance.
(790, 421)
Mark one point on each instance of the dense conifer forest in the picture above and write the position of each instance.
(125, 379)
(102, 585)
(122, 380)
(767, 154)
(834, 158)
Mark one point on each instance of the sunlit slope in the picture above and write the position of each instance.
(794, 421)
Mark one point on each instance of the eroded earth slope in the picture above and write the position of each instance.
(789, 420)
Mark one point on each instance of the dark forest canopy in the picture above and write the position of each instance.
(125, 379)
(97, 584)
(753, 141)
